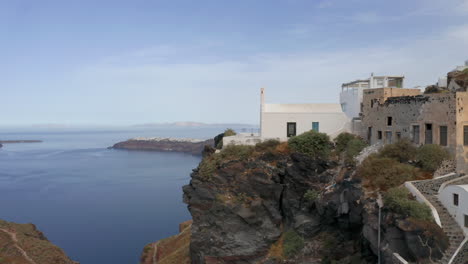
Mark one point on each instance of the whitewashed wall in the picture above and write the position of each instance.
(457, 212)
(274, 124)
(352, 98)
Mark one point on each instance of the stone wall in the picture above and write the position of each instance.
(462, 254)
(409, 111)
(448, 166)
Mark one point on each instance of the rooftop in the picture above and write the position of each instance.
(303, 108)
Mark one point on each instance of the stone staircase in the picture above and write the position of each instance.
(451, 228)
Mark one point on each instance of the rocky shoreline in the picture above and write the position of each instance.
(183, 145)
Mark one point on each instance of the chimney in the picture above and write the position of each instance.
(262, 105)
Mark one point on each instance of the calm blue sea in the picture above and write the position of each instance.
(101, 206)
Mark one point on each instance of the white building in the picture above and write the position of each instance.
(352, 92)
(282, 121)
(455, 199)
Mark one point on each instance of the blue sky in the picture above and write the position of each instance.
(131, 62)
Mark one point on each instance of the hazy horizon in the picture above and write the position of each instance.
(125, 63)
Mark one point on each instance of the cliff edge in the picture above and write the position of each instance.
(24, 244)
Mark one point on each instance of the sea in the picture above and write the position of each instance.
(99, 205)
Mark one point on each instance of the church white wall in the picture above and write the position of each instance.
(274, 125)
(457, 212)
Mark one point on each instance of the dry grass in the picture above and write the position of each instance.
(277, 250)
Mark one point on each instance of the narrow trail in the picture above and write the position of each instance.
(155, 252)
(15, 240)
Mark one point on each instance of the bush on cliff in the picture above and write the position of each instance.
(311, 195)
(209, 164)
(219, 138)
(267, 145)
(353, 148)
(431, 156)
(385, 173)
(342, 140)
(402, 151)
(400, 201)
(312, 143)
(293, 243)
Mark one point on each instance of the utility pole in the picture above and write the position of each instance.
(380, 203)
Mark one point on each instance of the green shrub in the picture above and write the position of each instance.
(402, 151)
(235, 152)
(268, 145)
(354, 147)
(342, 140)
(219, 138)
(229, 132)
(430, 156)
(210, 163)
(385, 173)
(312, 143)
(398, 200)
(293, 244)
(311, 195)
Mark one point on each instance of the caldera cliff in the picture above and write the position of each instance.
(268, 204)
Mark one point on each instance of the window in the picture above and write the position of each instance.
(369, 134)
(315, 126)
(416, 134)
(455, 199)
(388, 137)
(443, 135)
(372, 103)
(466, 220)
(291, 129)
(398, 135)
(380, 83)
(465, 135)
(389, 121)
(379, 135)
(428, 134)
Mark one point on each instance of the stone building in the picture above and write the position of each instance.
(352, 92)
(390, 114)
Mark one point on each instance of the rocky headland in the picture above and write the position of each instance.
(24, 244)
(269, 204)
(191, 146)
(19, 141)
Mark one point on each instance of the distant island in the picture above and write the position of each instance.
(184, 145)
(19, 141)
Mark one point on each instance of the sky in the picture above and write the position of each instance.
(141, 61)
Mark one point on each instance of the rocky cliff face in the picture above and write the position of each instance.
(245, 211)
(194, 147)
(24, 244)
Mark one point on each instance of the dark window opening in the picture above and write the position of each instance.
(443, 135)
(372, 103)
(416, 134)
(379, 135)
(398, 135)
(466, 220)
(428, 134)
(465, 135)
(291, 129)
(389, 121)
(369, 134)
(455, 199)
